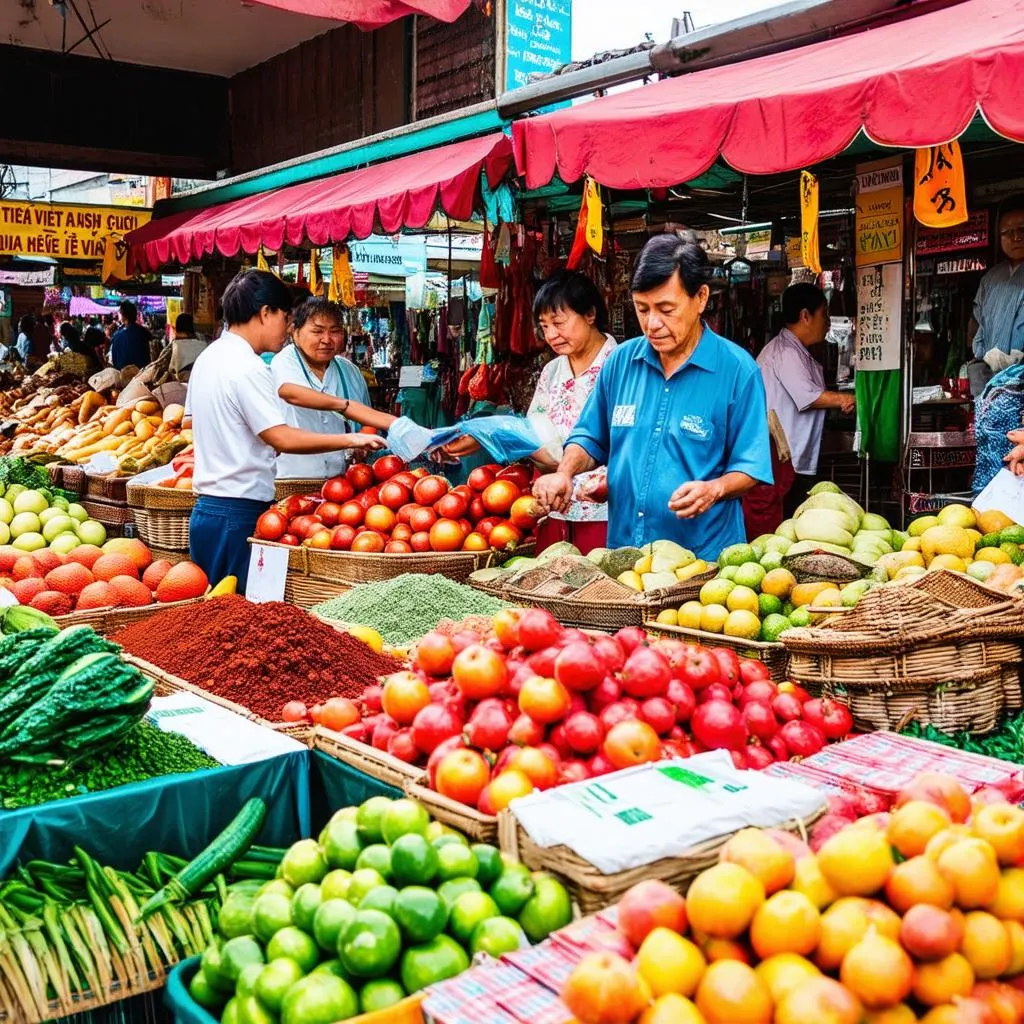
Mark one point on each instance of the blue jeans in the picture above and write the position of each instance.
(218, 532)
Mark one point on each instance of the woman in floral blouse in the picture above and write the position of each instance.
(571, 314)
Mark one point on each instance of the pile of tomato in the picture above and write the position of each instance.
(390, 508)
(533, 704)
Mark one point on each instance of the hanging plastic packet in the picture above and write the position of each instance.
(505, 438)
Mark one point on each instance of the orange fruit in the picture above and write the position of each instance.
(986, 945)
(723, 899)
(937, 983)
(1009, 899)
(53, 602)
(97, 595)
(731, 993)
(182, 582)
(85, 554)
(671, 1009)
(809, 880)
(70, 578)
(47, 560)
(783, 972)
(971, 866)
(605, 987)
(130, 547)
(670, 963)
(155, 572)
(856, 861)
(106, 567)
(787, 922)
(1016, 932)
(901, 1014)
(846, 922)
(915, 881)
(764, 858)
(819, 1001)
(913, 824)
(878, 972)
(132, 593)
(26, 589)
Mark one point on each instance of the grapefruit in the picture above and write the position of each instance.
(132, 593)
(28, 588)
(70, 578)
(52, 602)
(182, 582)
(85, 554)
(156, 572)
(97, 595)
(106, 567)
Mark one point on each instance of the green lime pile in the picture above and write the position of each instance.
(383, 904)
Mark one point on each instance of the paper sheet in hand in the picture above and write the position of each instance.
(639, 815)
(1003, 493)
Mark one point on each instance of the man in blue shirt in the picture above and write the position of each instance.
(678, 416)
(130, 345)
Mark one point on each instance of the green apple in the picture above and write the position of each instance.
(91, 532)
(59, 502)
(30, 501)
(29, 542)
(64, 543)
(56, 525)
(13, 491)
(77, 512)
(5, 533)
(48, 513)
(6, 511)
(25, 522)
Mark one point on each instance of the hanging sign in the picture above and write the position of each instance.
(972, 234)
(809, 253)
(538, 38)
(879, 221)
(63, 232)
(940, 195)
(28, 278)
(879, 295)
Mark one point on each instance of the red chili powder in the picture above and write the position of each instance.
(257, 655)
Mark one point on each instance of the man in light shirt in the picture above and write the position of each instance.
(998, 320)
(794, 384)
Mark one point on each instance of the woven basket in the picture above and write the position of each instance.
(297, 556)
(96, 487)
(591, 889)
(163, 499)
(307, 592)
(174, 557)
(482, 828)
(161, 529)
(356, 567)
(107, 512)
(773, 655)
(71, 478)
(115, 488)
(369, 760)
(286, 488)
(109, 620)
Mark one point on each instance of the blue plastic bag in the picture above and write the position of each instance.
(506, 438)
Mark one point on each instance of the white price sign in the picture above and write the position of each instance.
(879, 292)
(268, 567)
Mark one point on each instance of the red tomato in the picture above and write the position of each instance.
(476, 510)
(380, 517)
(487, 524)
(290, 539)
(329, 512)
(446, 535)
(504, 537)
(422, 519)
(479, 672)
(406, 511)
(430, 489)
(518, 474)
(394, 495)
(272, 525)
(451, 506)
(294, 711)
(499, 497)
(319, 538)
(475, 542)
(337, 713)
(359, 475)
(402, 531)
(387, 466)
(420, 541)
(398, 547)
(338, 490)
(480, 478)
(403, 696)
(545, 700)
(342, 537)
(462, 775)
(352, 514)
(406, 479)
(526, 512)
(536, 766)
(630, 743)
(369, 542)
(435, 654)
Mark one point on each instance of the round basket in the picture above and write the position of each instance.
(107, 512)
(163, 529)
(307, 592)
(298, 485)
(163, 499)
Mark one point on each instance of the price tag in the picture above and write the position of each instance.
(1003, 493)
(268, 568)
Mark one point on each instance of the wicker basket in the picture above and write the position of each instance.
(307, 592)
(70, 478)
(297, 556)
(162, 499)
(369, 760)
(286, 488)
(161, 529)
(773, 655)
(107, 512)
(174, 557)
(482, 828)
(115, 488)
(96, 487)
(591, 889)
(356, 567)
(109, 620)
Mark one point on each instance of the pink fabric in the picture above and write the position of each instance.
(911, 84)
(371, 14)
(384, 197)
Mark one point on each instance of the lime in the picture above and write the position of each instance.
(773, 627)
(319, 999)
(377, 856)
(437, 831)
(382, 898)
(205, 994)
(451, 890)
(380, 994)
(341, 844)
(434, 961)
(235, 916)
(274, 981)
(404, 817)
(270, 913)
(330, 920)
(345, 814)
(212, 968)
(467, 912)
(362, 882)
(496, 936)
(238, 953)
(413, 860)
(252, 1011)
(295, 944)
(370, 945)
(303, 863)
(278, 885)
(728, 573)
(370, 818)
(246, 984)
(421, 913)
(768, 604)
(512, 889)
(304, 905)
(489, 860)
(750, 575)
(231, 1014)
(333, 967)
(800, 617)
(547, 910)
(456, 861)
(335, 885)
(737, 554)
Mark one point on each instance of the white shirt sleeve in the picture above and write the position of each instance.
(256, 399)
(285, 369)
(188, 399)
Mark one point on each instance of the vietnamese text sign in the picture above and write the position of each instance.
(879, 293)
(538, 38)
(387, 257)
(973, 234)
(879, 220)
(63, 232)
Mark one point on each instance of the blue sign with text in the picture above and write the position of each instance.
(538, 38)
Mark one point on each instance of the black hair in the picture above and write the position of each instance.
(69, 332)
(27, 324)
(250, 291)
(129, 311)
(1011, 204)
(569, 289)
(184, 324)
(91, 340)
(798, 297)
(668, 254)
(313, 306)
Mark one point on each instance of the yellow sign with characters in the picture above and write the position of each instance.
(809, 252)
(878, 230)
(64, 232)
(940, 195)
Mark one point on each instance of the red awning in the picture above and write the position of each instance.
(911, 84)
(387, 197)
(371, 14)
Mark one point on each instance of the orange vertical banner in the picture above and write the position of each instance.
(809, 221)
(940, 192)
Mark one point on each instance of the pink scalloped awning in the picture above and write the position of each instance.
(402, 193)
(915, 83)
(371, 14)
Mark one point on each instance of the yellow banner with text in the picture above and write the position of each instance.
(64, 232)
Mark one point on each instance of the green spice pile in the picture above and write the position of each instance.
(147, 752)
(405, 608)
(1006, 742)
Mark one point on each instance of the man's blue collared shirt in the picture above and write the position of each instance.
(655, 434)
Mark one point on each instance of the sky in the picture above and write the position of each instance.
(617, 24)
